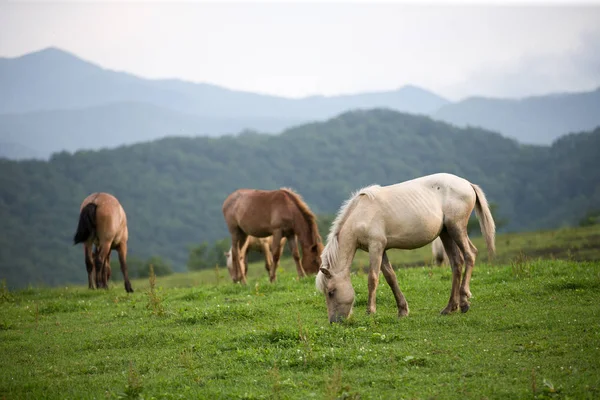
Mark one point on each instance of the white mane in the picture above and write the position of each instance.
(329, 256)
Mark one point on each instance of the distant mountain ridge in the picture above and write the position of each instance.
(41, 133)
(534, 120)
(51, 101)
(75, 83)
(55, 85)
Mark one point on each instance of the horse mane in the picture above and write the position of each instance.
(329, 256)
(309, 217)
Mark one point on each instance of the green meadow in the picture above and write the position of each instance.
(533, 332)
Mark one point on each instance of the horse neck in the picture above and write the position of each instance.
(303, 230)
(342, 249)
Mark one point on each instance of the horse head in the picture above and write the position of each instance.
(338, 291)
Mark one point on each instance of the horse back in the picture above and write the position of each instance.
(412, 213)
(111, 220)
(258, 212)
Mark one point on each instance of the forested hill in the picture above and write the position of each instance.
(173, 189)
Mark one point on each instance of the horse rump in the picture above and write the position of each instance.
(87, 224)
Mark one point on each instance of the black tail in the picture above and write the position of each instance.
(87, 224)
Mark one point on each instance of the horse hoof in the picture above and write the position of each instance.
(464, 308)
(403, 313)
(449, 310)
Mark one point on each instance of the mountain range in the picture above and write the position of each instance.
(51, 101)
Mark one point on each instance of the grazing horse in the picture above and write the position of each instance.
(439, 254)
(103, 223)
(406, 215)
(278, 213)
(261, 245)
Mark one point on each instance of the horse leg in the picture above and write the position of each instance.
(245, 249)
(275, 245)
(465, 288)
(89, 264)
(376, 250)
(122, 250)
(392, 280)
(266, 250)
(458, 233)
(293, 246)
(281, 246)
(456, 260)
(101, 258)
(97, 267)
(237, 237)
(107, 271)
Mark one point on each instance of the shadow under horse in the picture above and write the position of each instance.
(103, 224)
(278, 213)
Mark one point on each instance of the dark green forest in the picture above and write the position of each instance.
(173, 189)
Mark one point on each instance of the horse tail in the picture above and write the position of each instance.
(486, 221)
(86, 227)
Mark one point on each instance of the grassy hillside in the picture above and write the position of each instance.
(173, 189)
(531, 333)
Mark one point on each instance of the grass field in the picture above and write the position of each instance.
(533, 331)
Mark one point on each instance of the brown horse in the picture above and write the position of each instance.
(280, 213)
(103, 223)
(261, 245)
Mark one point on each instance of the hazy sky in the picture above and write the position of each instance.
(303, 49)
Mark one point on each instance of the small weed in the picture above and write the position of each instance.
(134, 386)
(37, 315)
(5, 295)
(154, 300)
(334, 385)
(276, 382)
(336, 391)
(549, 387)
(304, 339)
(520, 266)
(217, 275)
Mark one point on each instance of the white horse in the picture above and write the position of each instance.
(261, 245)
(439, 254)
(406, 215)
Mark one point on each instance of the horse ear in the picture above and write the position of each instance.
(325, 272)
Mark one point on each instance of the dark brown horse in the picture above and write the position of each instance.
(280, 213)
(103, 223)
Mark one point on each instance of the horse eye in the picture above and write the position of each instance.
(331, 293)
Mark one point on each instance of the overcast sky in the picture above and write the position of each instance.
(305, 49)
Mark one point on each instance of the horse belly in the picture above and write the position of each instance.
(407, 241)
(414, 231)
